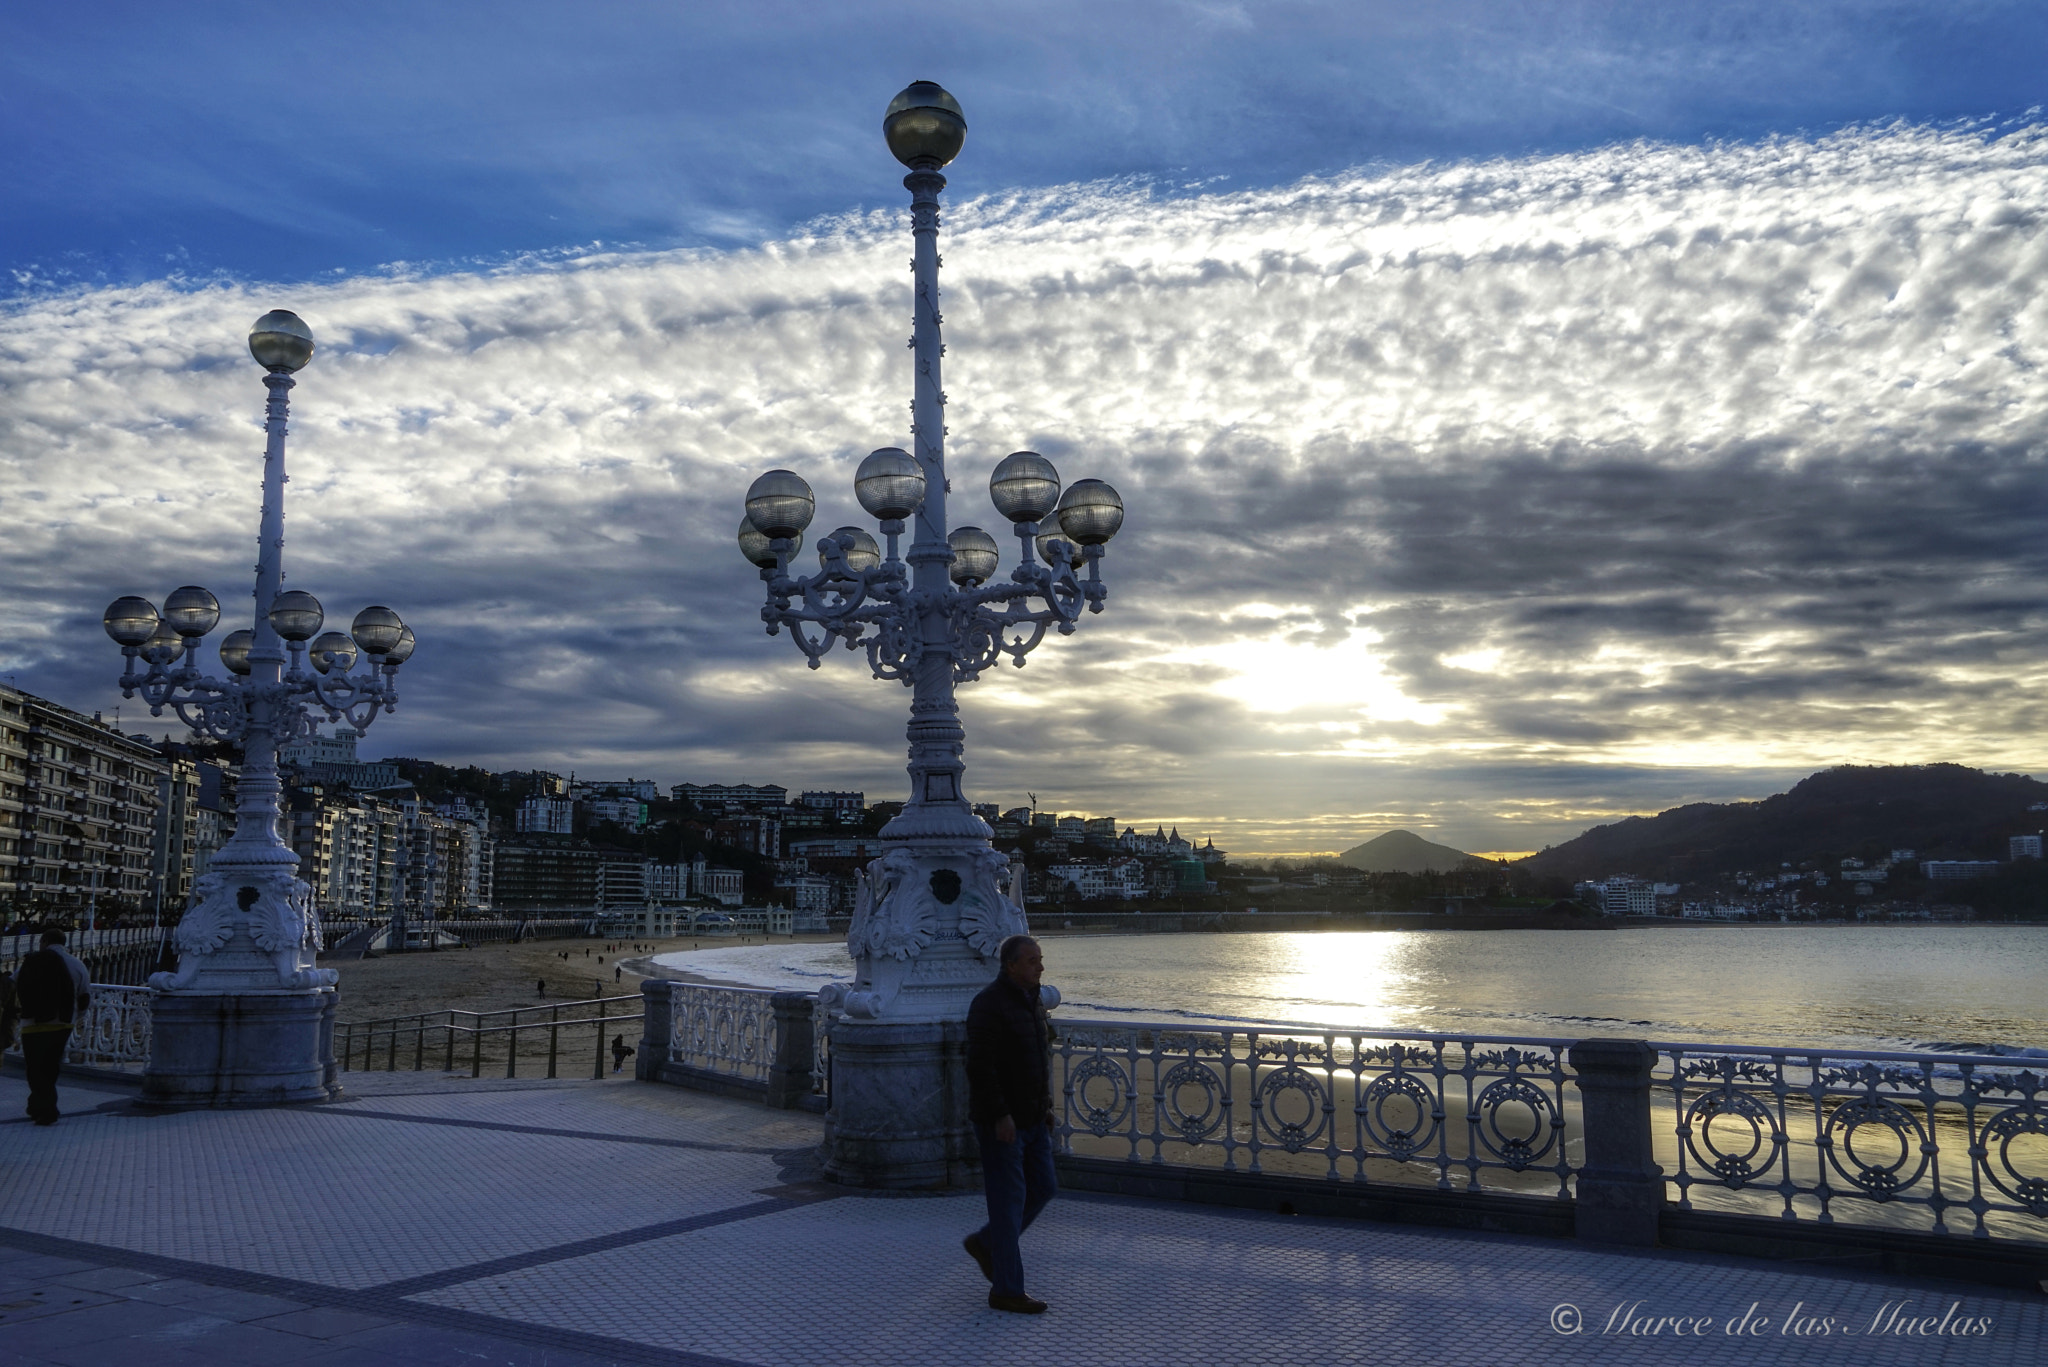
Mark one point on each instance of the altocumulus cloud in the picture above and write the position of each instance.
(1492, 499)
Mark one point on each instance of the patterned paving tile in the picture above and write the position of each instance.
(623, 1222)
(1140, 1284)
(343, 1200)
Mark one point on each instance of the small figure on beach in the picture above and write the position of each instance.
(620, 1053)
(540, 987)
(1009, 1099)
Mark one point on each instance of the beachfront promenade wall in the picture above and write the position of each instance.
(1927, 1164)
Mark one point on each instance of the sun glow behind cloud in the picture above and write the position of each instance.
(1487, 499)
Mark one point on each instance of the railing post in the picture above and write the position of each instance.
(657, 1008)
(789, 1072)
(451, 1043)
(1620, 1187)
(597, 1069)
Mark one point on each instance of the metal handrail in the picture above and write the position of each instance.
(392, 1029)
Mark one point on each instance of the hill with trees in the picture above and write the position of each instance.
(1940, 811)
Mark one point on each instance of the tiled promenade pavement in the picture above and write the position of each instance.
(454, 1222)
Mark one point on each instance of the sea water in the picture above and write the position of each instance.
(1859, 987)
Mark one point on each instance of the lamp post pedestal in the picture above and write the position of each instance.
(263, 1047)
(929, 917)
(899, 1106)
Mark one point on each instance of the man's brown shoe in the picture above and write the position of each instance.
(978, 1251)
(1016, 1305)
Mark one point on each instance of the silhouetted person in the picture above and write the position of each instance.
(620, 1053)
(540, 987)
(53, 988)
(1009, 1098)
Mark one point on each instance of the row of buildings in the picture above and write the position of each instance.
(98, 825)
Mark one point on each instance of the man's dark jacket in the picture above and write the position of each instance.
(1009, 1056)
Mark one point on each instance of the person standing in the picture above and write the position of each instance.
(1009, 1086)
(52, 988)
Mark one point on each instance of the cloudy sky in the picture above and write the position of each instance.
(1527, 414)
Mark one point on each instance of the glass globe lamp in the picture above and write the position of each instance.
(975, 555)
(401, 652)
(924, 125)
(780, 504)
(889, 484)
(1024, 486)
(861, 555)
(281, 342)
(168, 641)
(376, 630)
(757, 548)
(192, 611)
(296, 614)
(234, 650)
(1090, 512)
(130, 620)
(333, 651)
(1058, 550)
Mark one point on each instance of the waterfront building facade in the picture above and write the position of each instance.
(78, 803)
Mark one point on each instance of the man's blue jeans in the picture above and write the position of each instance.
(1018, 1180)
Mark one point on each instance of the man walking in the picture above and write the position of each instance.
(52, 988)
(1009, 1083)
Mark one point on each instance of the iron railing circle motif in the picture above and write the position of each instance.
(1293, 1136)
(1399, 1142)
(1191, 1126)
(1879, 1181)
(2000, 1131)
(1100, 1120)
(1516, 1151)
(1734, 1169)
(724, 1030)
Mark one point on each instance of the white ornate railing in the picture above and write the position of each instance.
(1316, 1101)
(114, 1032)
(824, 1014)
(1944, 1143)
(726, 1030)
(1914, 1139)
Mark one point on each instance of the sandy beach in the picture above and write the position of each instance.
(501, 977)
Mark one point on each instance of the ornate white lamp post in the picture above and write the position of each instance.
(933, 909)
(247, 1019)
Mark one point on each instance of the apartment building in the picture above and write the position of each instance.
(78, 803)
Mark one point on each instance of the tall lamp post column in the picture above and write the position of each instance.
(247, 1019)
(932, 911)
